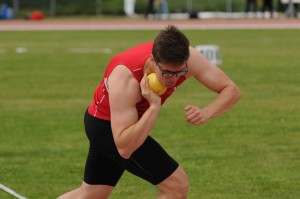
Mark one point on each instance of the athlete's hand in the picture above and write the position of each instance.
(195, 115)
(147, 93)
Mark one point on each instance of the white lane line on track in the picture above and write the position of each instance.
(11, 192)
(76, 50)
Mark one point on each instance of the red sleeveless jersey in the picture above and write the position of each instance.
(134, 59)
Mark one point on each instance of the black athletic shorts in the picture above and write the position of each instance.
(105, 166)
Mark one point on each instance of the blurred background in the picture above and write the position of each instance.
(194, 8)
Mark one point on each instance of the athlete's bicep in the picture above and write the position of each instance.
(124, 93)
(207, 73)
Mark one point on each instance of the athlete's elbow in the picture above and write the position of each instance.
(121, 145)
(124, 153)
(237, 93)
(123, 150)
(234, 92)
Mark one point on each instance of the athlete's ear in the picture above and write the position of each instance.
(152, 59)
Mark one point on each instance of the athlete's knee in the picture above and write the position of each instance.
(95, 191)
(87, 191)
(181, 189)
(178, 191)
(176, 186)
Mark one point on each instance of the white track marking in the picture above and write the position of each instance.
(11, 192)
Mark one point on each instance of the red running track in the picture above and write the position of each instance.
(141, 24)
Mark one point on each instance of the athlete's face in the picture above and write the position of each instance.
(168, 74)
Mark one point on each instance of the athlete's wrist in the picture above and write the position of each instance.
(155, 107)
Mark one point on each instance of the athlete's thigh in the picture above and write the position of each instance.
(151, 162)
(100, 169)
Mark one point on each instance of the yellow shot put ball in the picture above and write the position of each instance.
(155, 85)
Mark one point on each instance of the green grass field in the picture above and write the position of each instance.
(250, 152)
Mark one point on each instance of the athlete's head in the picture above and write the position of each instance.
(171, 46)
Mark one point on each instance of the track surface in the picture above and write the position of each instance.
(141, 24)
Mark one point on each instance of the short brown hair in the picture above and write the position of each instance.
(171, 46)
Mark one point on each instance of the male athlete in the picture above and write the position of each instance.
(123, 112)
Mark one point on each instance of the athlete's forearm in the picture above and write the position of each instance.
(224, 102)
(226, 99)
(135, 135)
